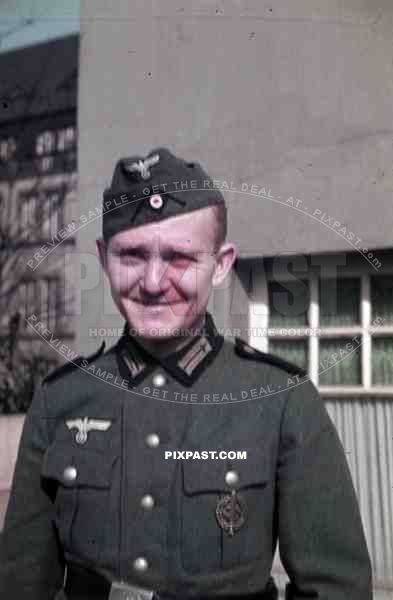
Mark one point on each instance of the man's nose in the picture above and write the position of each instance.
(153, 281)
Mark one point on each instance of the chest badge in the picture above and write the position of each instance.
(231, 512)
(85, 425)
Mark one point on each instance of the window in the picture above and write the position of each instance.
(45, 143)
(42, 298)
(28, 218)
(57, 140)
(339, 302)
(340, 329)
(339, 362)
(41, 213)
(288, 302)
(56, 147)
(66, 139)
(7, 148)
(382, 297)
(382, 361)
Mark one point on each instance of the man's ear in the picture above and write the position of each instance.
(225, 258)
(102, 253)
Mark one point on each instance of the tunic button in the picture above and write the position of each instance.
(140, 564)
(70, 473)
(159, 380)
(147, 501)
(152, 440)
(231, 477)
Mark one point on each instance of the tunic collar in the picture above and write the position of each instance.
(185, 365)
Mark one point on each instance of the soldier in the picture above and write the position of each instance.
(128, 482)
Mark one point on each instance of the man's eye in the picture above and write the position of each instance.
(180, 258)
(129, 254)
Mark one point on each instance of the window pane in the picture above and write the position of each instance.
(382, 297)
(52, 203)
(52, 304)
(338, 363)
(28, 218)
(32, 299)
(339, 301)
(295, 351)
(382, 361)
(288, 303)
(22, 307)
(44, 297)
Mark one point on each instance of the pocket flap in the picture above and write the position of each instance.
(208, 475)
(77, 467)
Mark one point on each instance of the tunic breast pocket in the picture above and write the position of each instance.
(84, 479)
(227, 513)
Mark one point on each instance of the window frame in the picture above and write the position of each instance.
(364, 329)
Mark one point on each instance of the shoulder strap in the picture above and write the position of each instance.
(71, 365)
(244, 350)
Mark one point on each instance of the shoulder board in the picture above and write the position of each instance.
(71, 365)
(244, 349)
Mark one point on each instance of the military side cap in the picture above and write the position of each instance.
(153, 188)
(71, 365)
(244, 349)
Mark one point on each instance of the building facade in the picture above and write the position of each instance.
(38, 194)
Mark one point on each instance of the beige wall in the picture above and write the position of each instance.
(10, 431)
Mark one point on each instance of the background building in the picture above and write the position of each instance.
(38, 182)
(297, 99)
(38, 169)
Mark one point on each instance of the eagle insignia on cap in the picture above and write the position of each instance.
(142, 166)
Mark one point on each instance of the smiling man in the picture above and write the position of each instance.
(161, 274)
(99, 509)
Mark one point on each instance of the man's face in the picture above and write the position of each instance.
(161, 274)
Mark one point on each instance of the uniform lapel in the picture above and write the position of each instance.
(185, 365)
